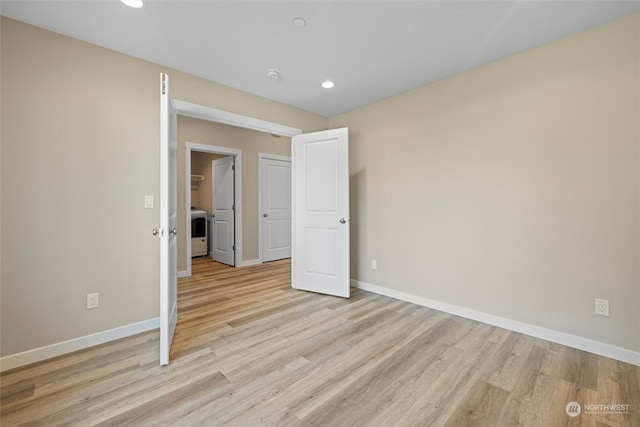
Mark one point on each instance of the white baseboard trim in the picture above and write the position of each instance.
(249, 262)
(596, 347)
(53, 350)
(181, 274)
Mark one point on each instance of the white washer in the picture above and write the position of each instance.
(199, 232)
(197, 213)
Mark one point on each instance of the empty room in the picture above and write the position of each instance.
(320, 213)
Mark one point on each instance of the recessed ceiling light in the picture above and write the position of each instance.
(299, 22)
(133, 3)
(328, 84)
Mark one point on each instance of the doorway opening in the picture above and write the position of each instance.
(332, 153)
(195, 111)
(192, 147)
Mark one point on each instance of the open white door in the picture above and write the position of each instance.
(320, 191)
(168, 221)
(223, 211)
(275, 201)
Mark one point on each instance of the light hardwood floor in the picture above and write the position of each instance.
(250, 351)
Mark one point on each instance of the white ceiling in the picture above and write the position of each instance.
(371, 49)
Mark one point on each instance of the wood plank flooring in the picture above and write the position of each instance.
(250, 351)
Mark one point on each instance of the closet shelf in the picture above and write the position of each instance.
(196, 180)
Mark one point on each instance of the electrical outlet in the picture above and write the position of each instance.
(602, 307)
(92, 301)
(374, 264)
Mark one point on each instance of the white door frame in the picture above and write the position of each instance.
(260, 157)
(226, 151)
(219, 116)
(201, 112)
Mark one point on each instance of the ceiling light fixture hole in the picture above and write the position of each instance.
(273, 73)
(299, 22)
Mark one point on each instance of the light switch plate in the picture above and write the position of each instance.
(148, 202)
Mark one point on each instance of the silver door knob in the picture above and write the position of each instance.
(265, 215)
(343, 221)
(155, 231)
(174, 231)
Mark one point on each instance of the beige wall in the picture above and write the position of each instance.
(512, 189)
(251, 143)
(80, 132)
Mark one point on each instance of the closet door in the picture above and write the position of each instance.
(224, 211)
(275, 200)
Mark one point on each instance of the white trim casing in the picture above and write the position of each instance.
(58, 349)
(260, 157)
(274, 157)
(219, 116)
(580, 343)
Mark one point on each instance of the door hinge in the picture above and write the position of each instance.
(164, 84)
(233, 248)
(233, 167)
(233, 208)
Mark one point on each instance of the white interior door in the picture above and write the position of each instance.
(223, 211)
(275, 181)
(168, 221)
(320, 261)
